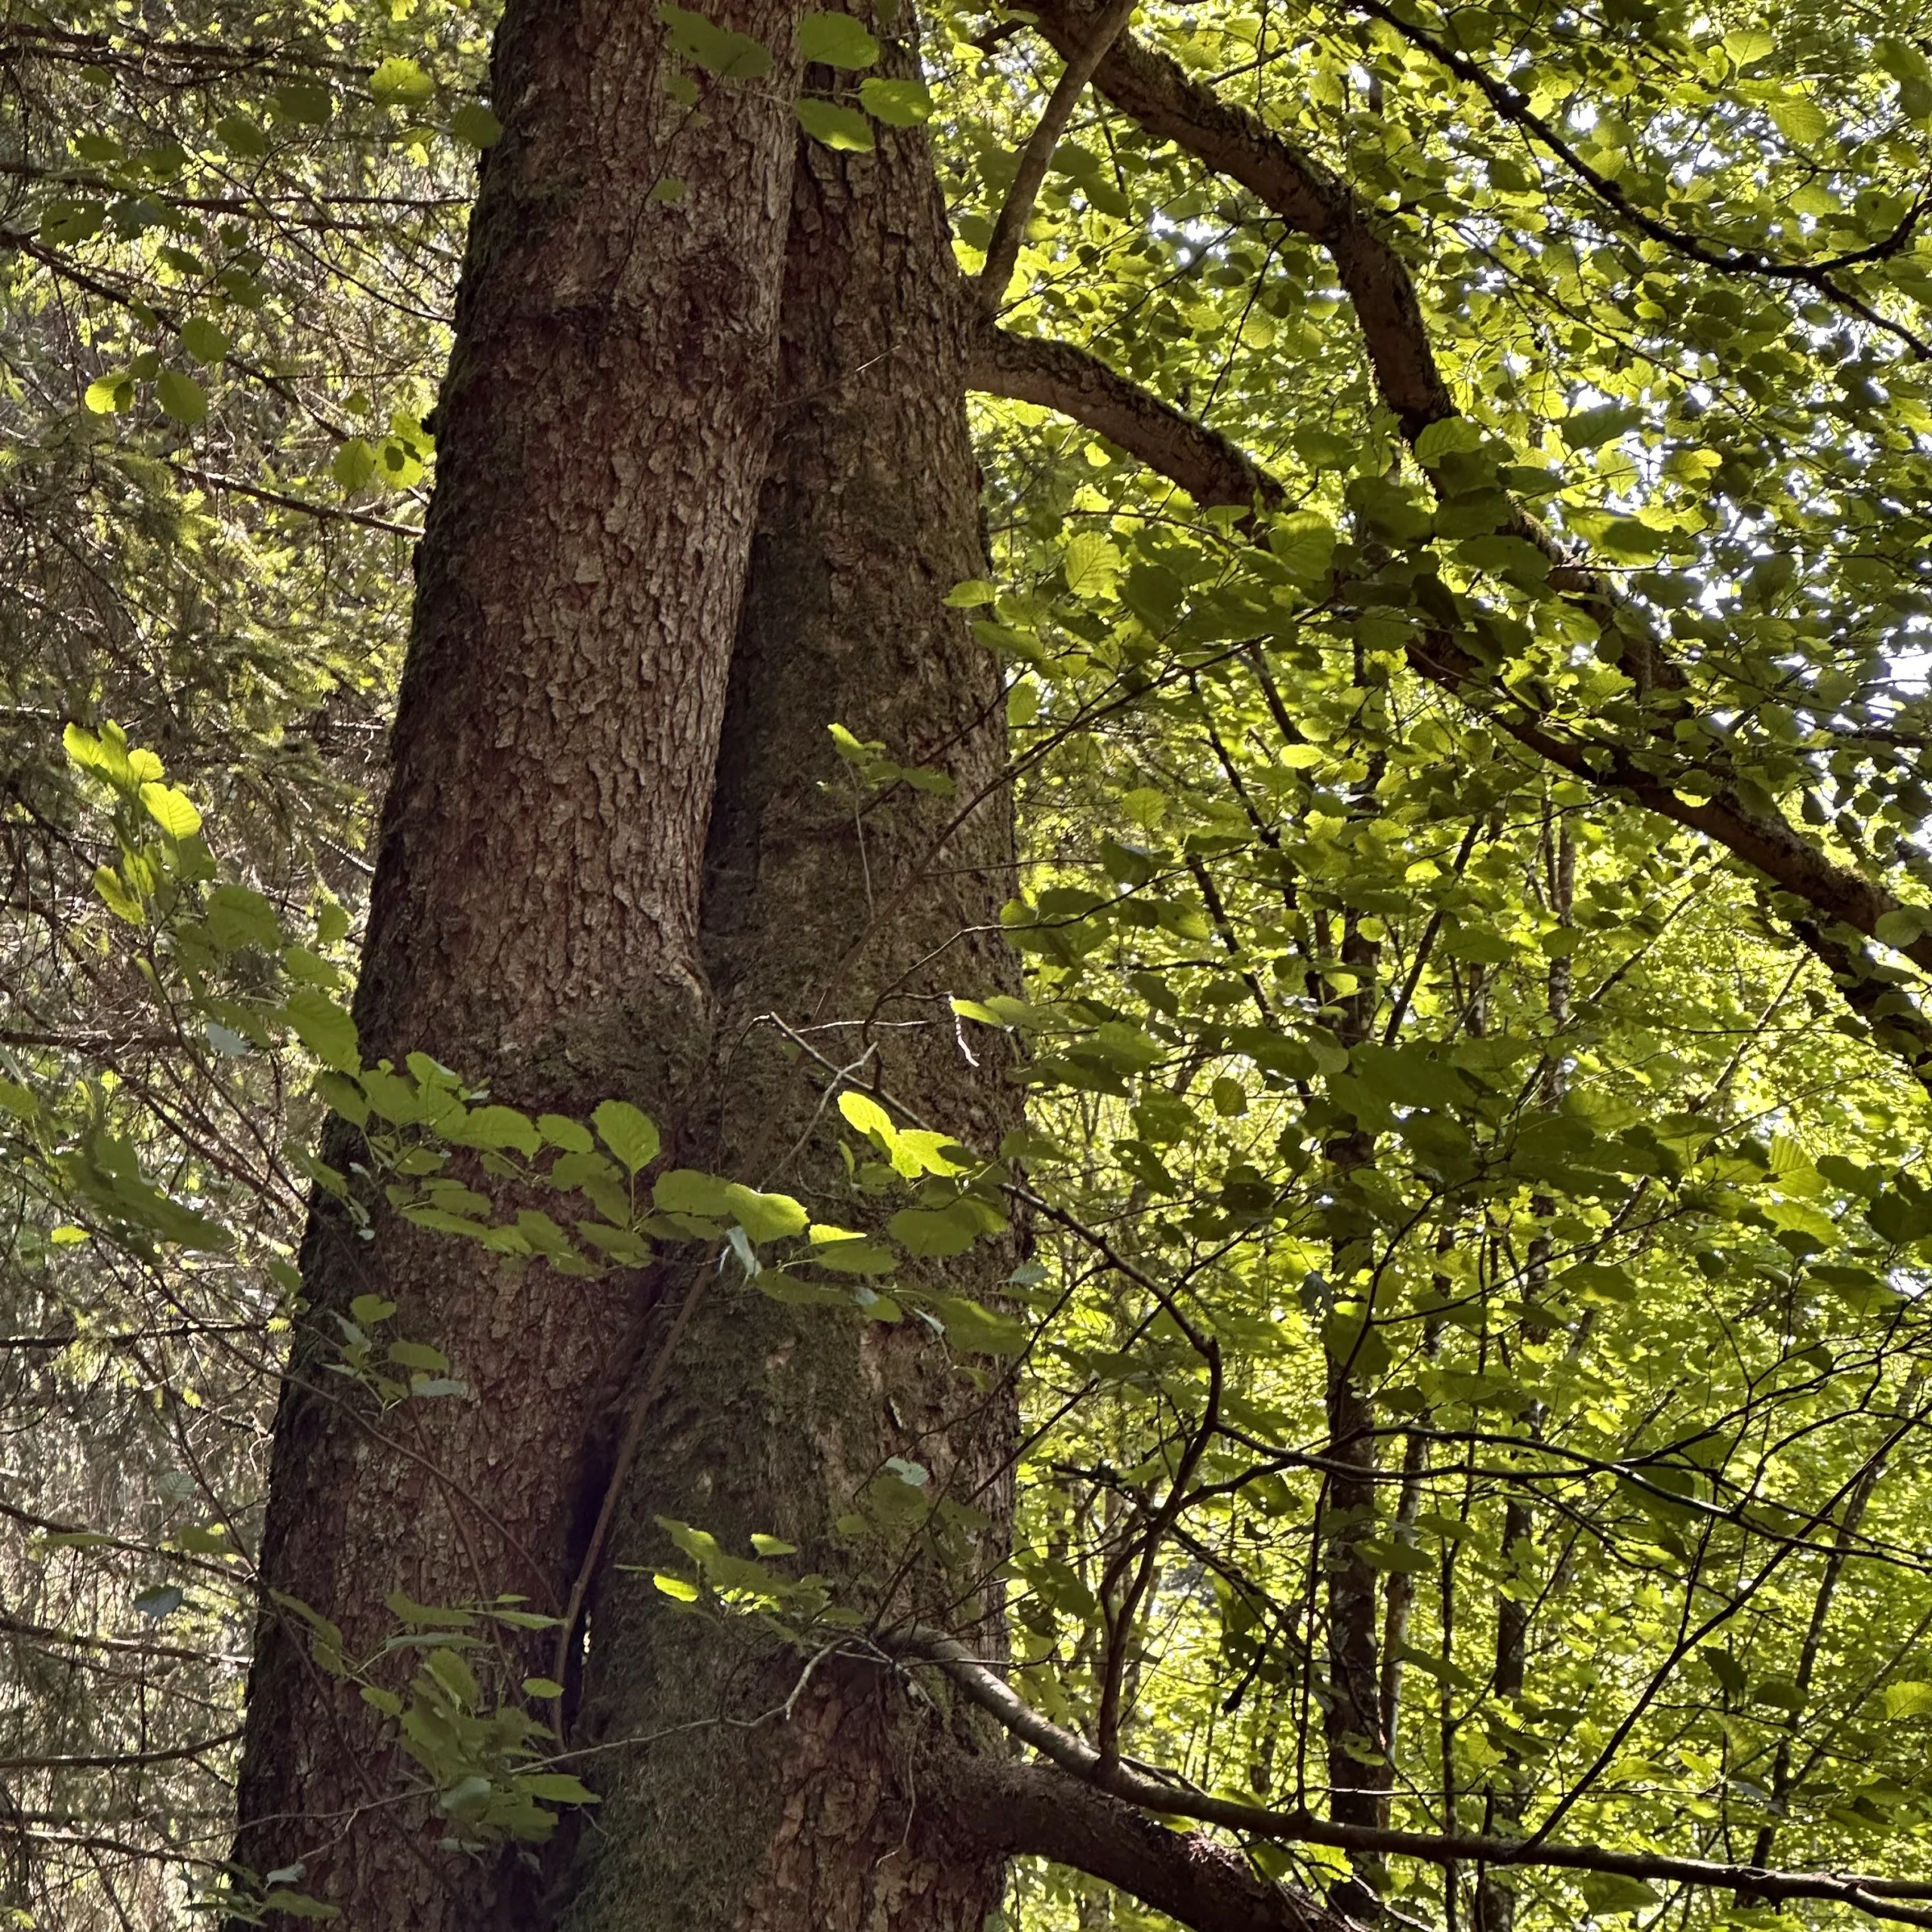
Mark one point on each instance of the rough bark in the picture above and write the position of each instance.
(603, 431)
(1191, 1876)
(851, 916)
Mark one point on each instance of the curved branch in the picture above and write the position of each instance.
(1888, 1898)
(1514, 106)
(1057, 375)
(1002, 250)
(1166, 101)
(1032, 1810)
(1215, 471)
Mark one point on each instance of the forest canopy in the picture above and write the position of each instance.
(1346, 1309)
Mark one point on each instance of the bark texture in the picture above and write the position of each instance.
(605, 429)
(747, 1802)
(1191, 1876)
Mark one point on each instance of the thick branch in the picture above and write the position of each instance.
(1168, 101)
(1876, 1897)
(1057, 375)
(1031, 1809)
(1216, 471)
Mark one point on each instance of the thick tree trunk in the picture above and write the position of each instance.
(851, 916)
(604, 431)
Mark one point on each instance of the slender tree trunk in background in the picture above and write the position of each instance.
(605, 429)
(1496, 1897)
(852, 918)
(1358, 1771)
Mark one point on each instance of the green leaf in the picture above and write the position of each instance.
(1611, 1892)
(1589, 428)
(307, 102)
(719, 50)
(1800, 120)
(371, 1311)
(626, 1247)
(847, 1254)
(181, 396)
(556, 1788)
(631, 1136)
(970, 595)
(844, 128)
(685, 1191)
(765, 1217)
(897, 104)
(936, 1233)
(236, 918)
(203, 339)
(1902, 926)
(978, 1329)
(400, 82)
(418, 1355)
(115, 896)
(542, 1686)
(354, 463)
(1305, 542)
(866, 1114)
(324, 1028)
(1092, 565)
(433, 1617)
(496, 1127)
(399, 462)
(297, 1905)
(836, 40)
(476, 126)
(172, 810)
(107, 394)
(560, 1131)
(1908, 1700)
(242, 137)
(1512, 558)
(64, 223)
(1447, 436)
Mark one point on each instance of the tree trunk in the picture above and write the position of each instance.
(605, 429)
(1358, 1767)
(851, 916)
(1496, 1894)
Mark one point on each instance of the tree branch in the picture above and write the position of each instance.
(1002, 250)
(1887, 1899)
(1215, 471)
(1166, 101)
(1031, 1809)
(1513, 105)
(1055, 375)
